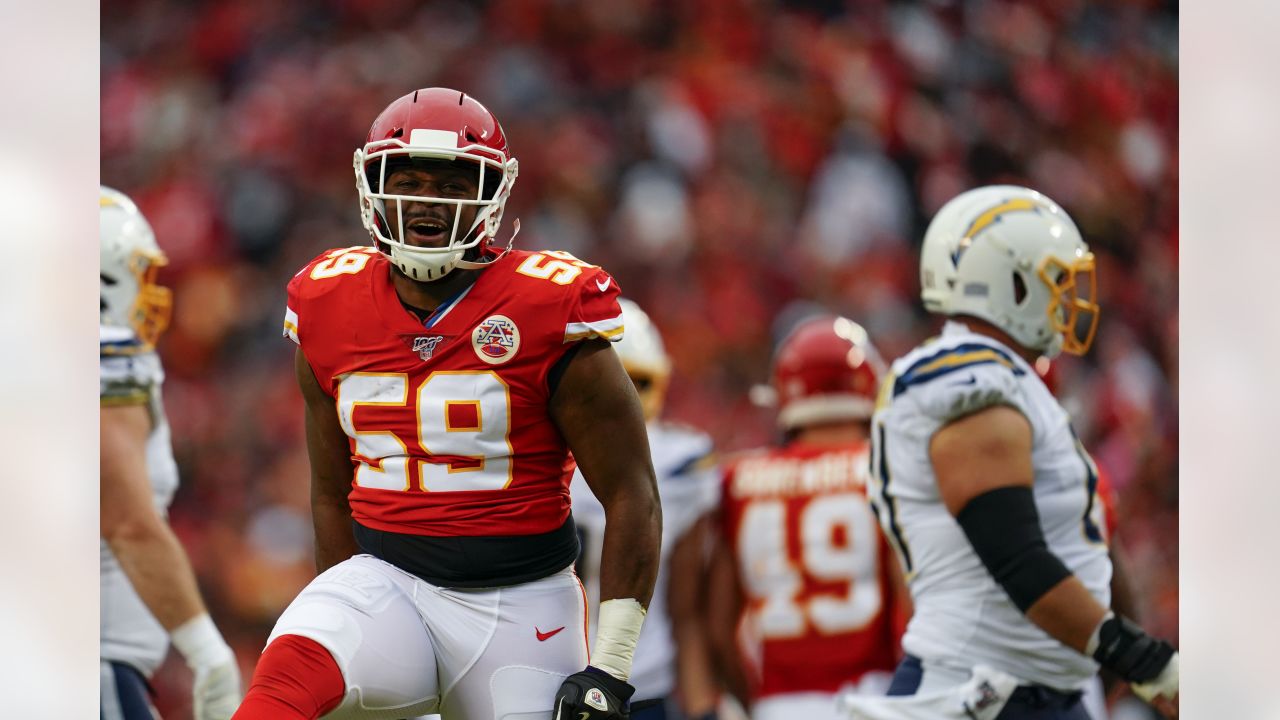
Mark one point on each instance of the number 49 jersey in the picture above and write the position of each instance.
(448, 419)
(812, 564)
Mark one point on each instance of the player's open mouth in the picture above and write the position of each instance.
(426, 232)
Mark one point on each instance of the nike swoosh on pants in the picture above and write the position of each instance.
(543, 636)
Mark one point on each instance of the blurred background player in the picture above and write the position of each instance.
(449, 388)
(672, 673)
(981, 482)
(802, 563)
(149, 595)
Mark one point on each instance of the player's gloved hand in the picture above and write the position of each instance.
(1162, 691)
(216, 690)
(1150, 665)
(593, 694)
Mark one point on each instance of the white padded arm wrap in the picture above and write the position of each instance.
(619, 629)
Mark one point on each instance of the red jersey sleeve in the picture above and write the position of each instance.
(594, 311)
(303, 287)
(293, 301)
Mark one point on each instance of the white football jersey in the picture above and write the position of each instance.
(962, 616)
(688, 486)
(131, 375)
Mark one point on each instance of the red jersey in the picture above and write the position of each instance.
(813, 566)
(448, 418)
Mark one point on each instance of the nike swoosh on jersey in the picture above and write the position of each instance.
(971, 381)
(604, 285)
(544, 636)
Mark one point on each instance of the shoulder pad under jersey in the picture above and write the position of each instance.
(955, 380)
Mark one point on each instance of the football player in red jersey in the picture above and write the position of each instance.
(446, 383)
(802, 563)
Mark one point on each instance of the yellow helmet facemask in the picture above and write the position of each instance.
(152, 308)
(1073, 310)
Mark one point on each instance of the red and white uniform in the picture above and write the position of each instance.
(466, 597)
(814, 573)
(454, 439)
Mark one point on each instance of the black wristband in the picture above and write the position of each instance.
(1124, 649)
(1004, 528)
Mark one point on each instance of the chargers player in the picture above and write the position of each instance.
(446, 382)
(981, 483)
(802, 556)
(148, 594)
(672, 657)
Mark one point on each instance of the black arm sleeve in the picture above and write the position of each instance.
(1004, 529)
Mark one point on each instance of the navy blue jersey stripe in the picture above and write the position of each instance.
(890, 507)
(951, 359)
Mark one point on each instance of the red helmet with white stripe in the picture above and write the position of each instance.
(435, 124)
(826, 370)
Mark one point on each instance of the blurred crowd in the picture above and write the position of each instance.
(733, 163)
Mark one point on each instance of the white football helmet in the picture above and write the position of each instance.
(1013, 257)
(644, 357)
(130, 260)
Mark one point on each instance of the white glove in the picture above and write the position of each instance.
(1163, 685)
(216, 690)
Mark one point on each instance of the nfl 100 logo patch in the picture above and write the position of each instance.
(496, 339)
(426, 346)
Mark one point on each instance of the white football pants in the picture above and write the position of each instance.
(406, 647)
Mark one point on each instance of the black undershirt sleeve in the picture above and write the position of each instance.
(557, 371)
(1004, 528)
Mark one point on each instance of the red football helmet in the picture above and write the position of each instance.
(439, 124)
(826, 370)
